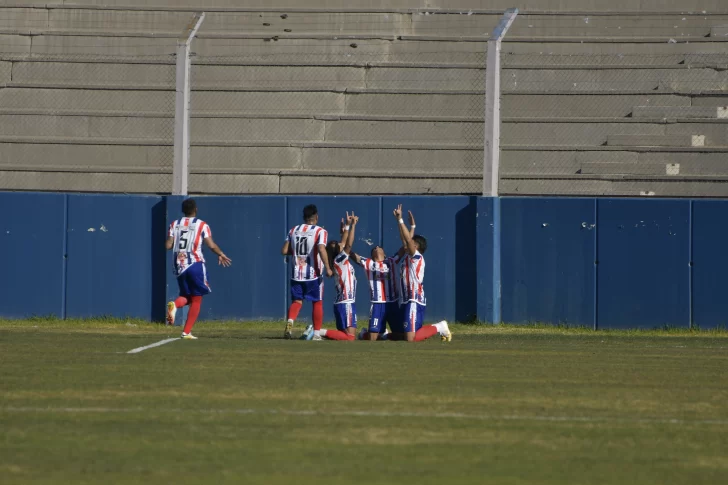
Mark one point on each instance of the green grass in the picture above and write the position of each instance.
(503, 405)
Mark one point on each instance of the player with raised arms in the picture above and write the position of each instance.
(345, 279)
(411, 289)
(383, 280)
(306, 244)
(185, 238)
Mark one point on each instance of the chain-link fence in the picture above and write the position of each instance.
(304, 109)
(84, 108)
(601, 121)
(365, 102)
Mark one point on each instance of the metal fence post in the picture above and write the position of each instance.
(491, 165)
(182, 107)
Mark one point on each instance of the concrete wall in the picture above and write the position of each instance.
(601, 263)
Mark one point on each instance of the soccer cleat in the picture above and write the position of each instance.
(446, 335)
(308, 333)
(171, 312)
(317, 337)
(288, 332)
(188, 336)
(361, 334)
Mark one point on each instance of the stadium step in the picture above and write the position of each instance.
(657, 140)
(681, 112)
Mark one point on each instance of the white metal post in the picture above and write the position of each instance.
(491, 162)
(182, 107)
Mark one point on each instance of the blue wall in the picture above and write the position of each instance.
(602, 263)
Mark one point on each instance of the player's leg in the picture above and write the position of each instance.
(180, 301)
(297, 292)
(198, 287)
(315, 294)
(377, 317)
(350, 318)
(341, 315)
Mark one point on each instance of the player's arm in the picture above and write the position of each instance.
(356, 258)
(325, 258)
(222, 260)
(404, 234)
(286, 249)
(169, 243)
(349, 240)
(412, 224)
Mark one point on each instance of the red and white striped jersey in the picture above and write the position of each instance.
(412, 274)
(188, 234)
(304, 240)
(382, 276)
(345, 279)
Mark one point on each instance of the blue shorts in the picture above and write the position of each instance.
(193, 282)
(307, 290)
(382, 314)
(413, 316)
(345, 314)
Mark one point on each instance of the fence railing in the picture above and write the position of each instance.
(371, 103)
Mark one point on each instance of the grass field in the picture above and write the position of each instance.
(501, 405)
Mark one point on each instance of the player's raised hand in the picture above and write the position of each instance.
(398, 212)
(223, 260)
(354, 219)
(411, 218)
(342, 226)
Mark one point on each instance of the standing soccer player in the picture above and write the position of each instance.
(412, 290)
(306, 243)
(185, 238)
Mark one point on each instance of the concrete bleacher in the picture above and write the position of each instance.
(599, 98)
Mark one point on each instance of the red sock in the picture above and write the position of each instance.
(318, 315)
(195, 303)
(180, 301)
(294, 309)
(338, 335)
(425, 332)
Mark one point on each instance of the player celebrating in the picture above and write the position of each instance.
(185, 237)
(412, 291)
(306, 243)
(382, 274)
(345, 278)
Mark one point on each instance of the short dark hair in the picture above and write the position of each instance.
(309, 211)
(189, 207)
(421, 243)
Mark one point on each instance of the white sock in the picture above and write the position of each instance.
(320, 333)
(290, 321)
(442, 327)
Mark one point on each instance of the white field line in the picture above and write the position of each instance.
(141, 349)
(376, 414)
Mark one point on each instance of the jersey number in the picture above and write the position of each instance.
(302, 246)
(184, 240)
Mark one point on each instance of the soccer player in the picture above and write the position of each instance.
(345, 278)
(383, 280)
(412, 290)
(185, 238)
(306, 243)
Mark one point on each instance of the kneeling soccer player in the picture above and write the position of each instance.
(345, 278)
(412, 290)
(184, 238)
(383, 280)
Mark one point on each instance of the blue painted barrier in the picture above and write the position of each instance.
(547, 260)
(114, 251)
(710, 263)
(643, 263)
(32, 241)
(608, 263)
